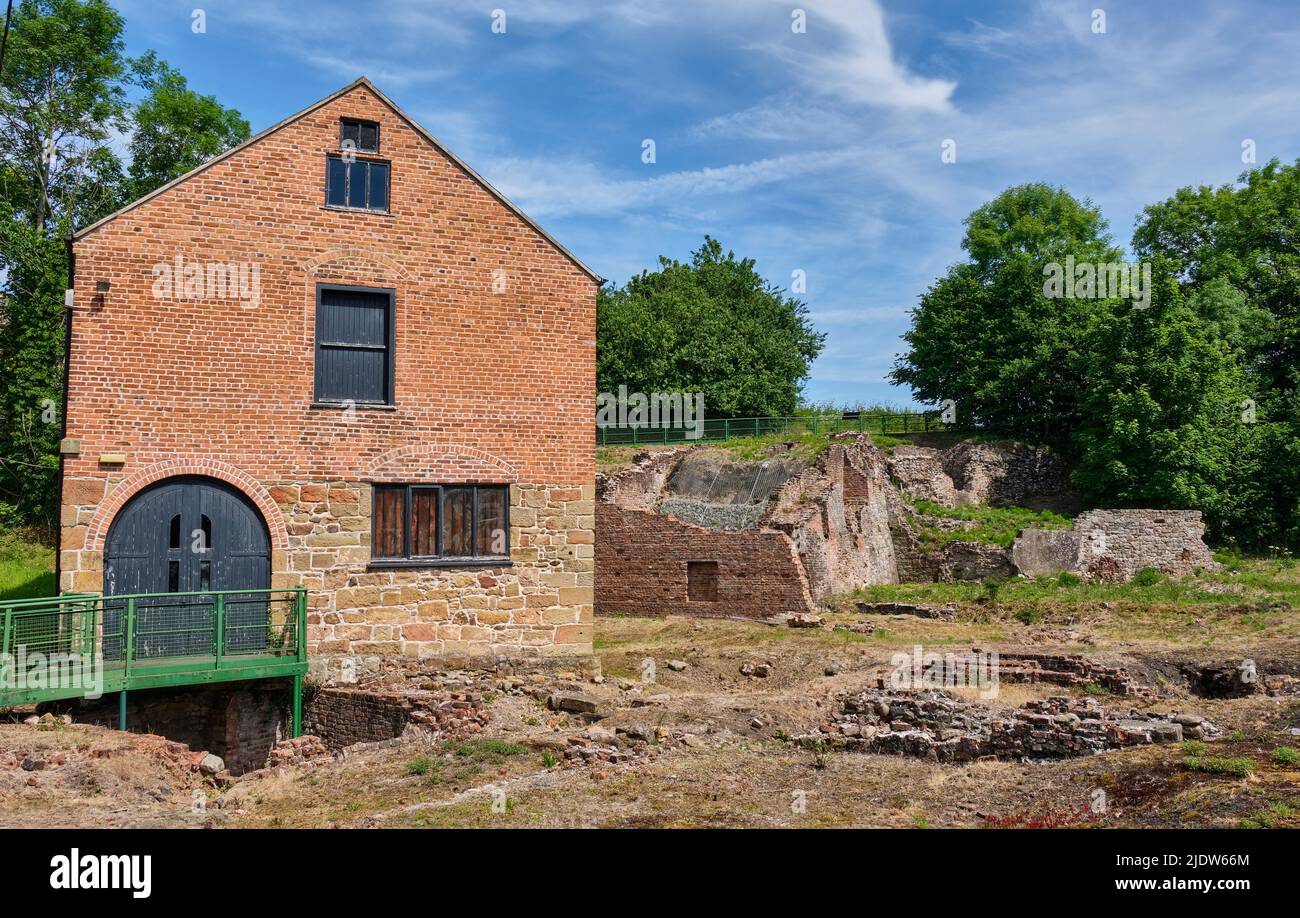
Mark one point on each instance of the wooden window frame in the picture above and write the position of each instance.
(347, 181)
(359, 122)
(439, 560)
(391, 349)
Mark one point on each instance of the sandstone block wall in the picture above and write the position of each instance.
(1116, 544)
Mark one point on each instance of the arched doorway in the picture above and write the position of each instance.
(188, 535)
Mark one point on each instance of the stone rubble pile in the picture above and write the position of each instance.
(937, 725)
(302, 750)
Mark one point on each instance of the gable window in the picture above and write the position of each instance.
(443, 523)
(359, 136)
(354, 346)
(357, 184)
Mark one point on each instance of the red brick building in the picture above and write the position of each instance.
(350, 364)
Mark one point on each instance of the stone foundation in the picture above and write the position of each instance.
(936, 725)
(539, 605)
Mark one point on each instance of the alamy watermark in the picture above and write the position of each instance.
(208, 280)
(658, 410)
(24, 670)
(1108, 280)
(922, 670)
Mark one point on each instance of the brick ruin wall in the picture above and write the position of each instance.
(241, 722)
(643, 558)
(845, 524)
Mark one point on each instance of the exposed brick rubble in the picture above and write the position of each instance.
(303, 750)
(598, 746)
(1069, 671)
(937, 725)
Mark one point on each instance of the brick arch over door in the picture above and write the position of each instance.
(447, 462)
(350, 259)
(210, 468)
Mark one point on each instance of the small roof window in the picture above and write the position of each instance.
(359, 136)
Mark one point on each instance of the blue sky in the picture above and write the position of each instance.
(818, 152)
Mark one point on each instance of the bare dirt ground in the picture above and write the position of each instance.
(721, 751)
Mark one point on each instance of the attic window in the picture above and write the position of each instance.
(359, 136)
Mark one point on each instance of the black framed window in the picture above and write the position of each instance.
(358, 184)
(354, 345)
(358, 135)
(419, 522)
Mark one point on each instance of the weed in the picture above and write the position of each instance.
(1286, 755)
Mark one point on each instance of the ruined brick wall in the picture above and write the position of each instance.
(1116, 544)
(493, 384)
(642, 567)
(342, 717)
(241, 722)
(970, 472)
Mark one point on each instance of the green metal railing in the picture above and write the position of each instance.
(717, 429)
(84, 645)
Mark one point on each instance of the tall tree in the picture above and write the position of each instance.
(63, 97)
(987, 338)
(175, 128)
(712, 325)
(1167, 419)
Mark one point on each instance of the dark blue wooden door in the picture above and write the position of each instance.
(188, 535)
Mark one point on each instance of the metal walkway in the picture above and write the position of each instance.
(85, 645)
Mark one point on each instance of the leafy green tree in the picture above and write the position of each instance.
(1167, 417)
(175, 128)
(1237, 250)
(63, 95)
(987, 338)
(712, 325)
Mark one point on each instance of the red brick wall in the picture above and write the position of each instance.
(491, 385)
(641, 564)
(510, 375)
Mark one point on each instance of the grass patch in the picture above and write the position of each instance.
(992, 525)
(486, 751)
(1236, 766)
(1286, 755)
(1269, 818)
(26, 567)
(420, 765)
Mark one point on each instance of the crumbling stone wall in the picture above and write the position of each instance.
(936, 725)
(344, 716)
(642, 568)
(999, 474)
(838, 512)
(1114, 545)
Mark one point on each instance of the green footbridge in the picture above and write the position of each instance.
(87, 645)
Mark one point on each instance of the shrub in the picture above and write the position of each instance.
(1148, 577)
